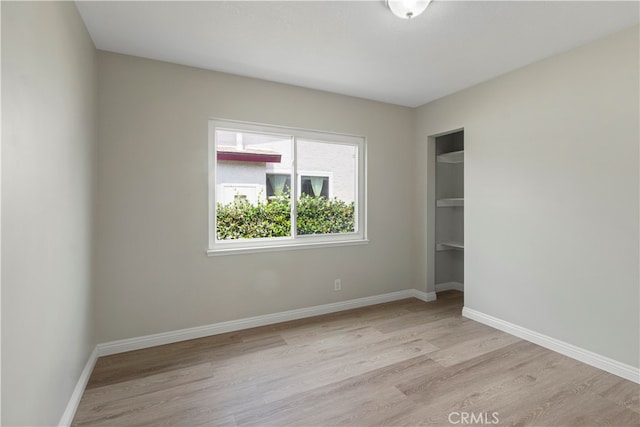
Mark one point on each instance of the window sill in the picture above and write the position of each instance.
(289, 247)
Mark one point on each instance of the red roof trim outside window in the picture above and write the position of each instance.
(249, 157)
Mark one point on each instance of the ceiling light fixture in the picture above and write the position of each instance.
(407, 9)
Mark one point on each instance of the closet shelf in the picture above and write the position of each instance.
(450, 202)
(447, 246)
(452, 157)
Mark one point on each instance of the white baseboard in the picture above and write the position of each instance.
(121, 346)
(450, 286)
(74, 400)
(590, 358)
(424, 296)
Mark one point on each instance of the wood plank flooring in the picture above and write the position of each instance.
(403, 363)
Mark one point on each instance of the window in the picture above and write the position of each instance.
(273, 188)
(277, 184)
(314, 186)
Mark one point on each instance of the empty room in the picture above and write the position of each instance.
(319, 213)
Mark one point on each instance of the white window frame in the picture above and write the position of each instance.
(293, 242)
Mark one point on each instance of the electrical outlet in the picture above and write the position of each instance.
(337, 285)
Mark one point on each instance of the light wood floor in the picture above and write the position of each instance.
(401, 363)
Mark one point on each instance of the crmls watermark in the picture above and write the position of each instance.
(474, 418)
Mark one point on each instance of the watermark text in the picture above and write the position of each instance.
(474, 418)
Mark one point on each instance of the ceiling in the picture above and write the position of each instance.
(355, 48)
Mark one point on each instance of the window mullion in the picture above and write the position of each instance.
(294, 187)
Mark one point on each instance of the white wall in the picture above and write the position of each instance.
(339, 163)
(153, 274)
(246, 178)
(48, 144)
(551, 195)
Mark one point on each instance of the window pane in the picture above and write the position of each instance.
(248, 168)
(327, 192)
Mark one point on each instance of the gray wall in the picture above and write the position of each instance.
(153, 274)
(551, 195)
(48, 162)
